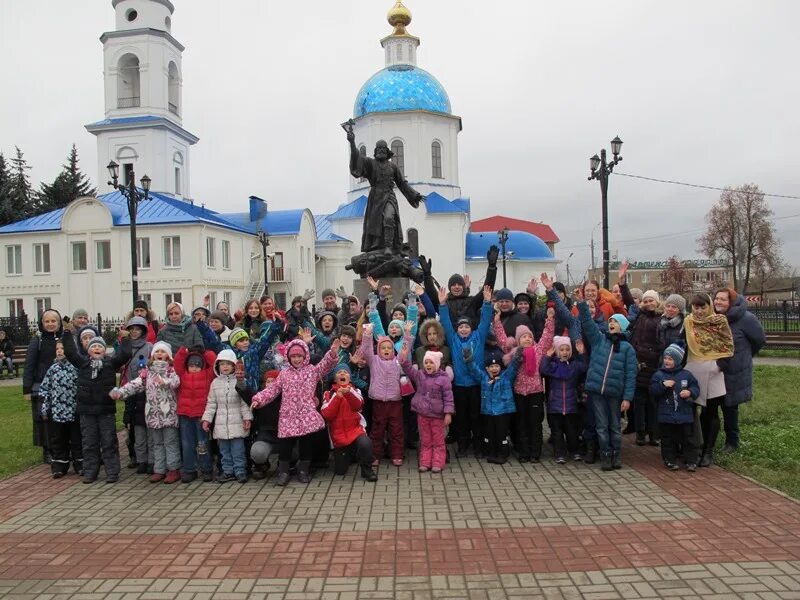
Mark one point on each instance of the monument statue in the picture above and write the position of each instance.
(383, 252)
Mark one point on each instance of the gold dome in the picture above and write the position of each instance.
(399, 17)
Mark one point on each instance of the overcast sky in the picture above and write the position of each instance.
(704, 92)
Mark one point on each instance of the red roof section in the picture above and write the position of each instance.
(542, 231)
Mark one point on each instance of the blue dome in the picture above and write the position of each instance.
(401, 87)
(524, 245)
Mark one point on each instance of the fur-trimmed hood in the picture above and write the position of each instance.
(427, 324)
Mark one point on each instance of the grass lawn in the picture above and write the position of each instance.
(779, 353)
(770, 431)
(17, 452)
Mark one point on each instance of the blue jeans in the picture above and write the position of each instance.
(606, 416)
(194, 444)
(234, 459)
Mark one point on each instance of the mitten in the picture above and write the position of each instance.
(373, 301)
(340, 292)
(492, 255)
(307, 295)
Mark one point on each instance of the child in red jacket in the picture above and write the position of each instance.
(341, 408)
(196, 371)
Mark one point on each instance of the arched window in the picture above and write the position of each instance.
(362, 150)
(126, 157)
(128, 95)
(436, 160)
(174, 88)
(397, 148)
(177, 163)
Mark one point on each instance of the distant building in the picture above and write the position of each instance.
(704, 274)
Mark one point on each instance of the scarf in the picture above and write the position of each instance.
(97, 366)
(667, 322)
(615, 339)
(709, 338)
(530, 357)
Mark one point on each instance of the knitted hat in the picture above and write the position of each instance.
(676, 353)
(637, 293)
(219, 316)
(435, 357)
(463, 321)
(204, 309)
(397, 322)
(347, 330)
(327, 292)
(80, 312)
(561, 340)
(622, 320)
(342, 367)
(137, 322)
(559, 287)
(651, 294)
(522, 297)
(504, 294)
(456, 279)
(677, 300)
(271, 374)
(97, 341)
(195, 360)
(237, 335)
(88, 330)
(140, 304)
(493, 357)
(162, 346)
(400, 308)
(522, 330)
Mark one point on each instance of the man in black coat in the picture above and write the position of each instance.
(510, 317)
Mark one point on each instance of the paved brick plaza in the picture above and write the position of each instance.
(478, 531)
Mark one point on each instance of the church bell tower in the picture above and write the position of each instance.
(142, 71)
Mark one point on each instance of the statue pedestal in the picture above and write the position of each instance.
(400, 286)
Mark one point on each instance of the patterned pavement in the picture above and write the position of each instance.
(477, 531)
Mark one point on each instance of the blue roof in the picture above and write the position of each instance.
(325, 230)
(277, 222)
(354, 209)
(524, 245)
(127, 121)
(464, 204)
(401, 87)
(438, 204)
(434, 204)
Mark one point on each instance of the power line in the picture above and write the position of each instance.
(704, 187)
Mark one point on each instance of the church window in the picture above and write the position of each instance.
(128, 88)
(168, 23)
(172, 251)
(78, 256)
(436, 160)
(127, 173)
(398, 158)
(211, 252)
(14, 260)
(178, 181)
(103, 255)
(41, 258)
(142, 253)
(173, 85)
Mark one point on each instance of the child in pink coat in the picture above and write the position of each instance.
(298, 417)
(528, 387)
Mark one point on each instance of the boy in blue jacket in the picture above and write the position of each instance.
(466, 386)
(675, 390)
(610, 381)
(497, 400)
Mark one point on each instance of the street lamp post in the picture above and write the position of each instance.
(600, 170)
(133, 197)
(502, 237)
(569, 279)
(263, 237)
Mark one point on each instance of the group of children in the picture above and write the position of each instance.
(469, 373)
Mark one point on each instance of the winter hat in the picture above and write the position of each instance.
(88, 329)
(385, 338)
(195, 360)
(162, 346)
(559, 287)
(203, 308)
(677, 300)
(137, 322)
(463, 321)
(226, 355)
(400, 308)
(328, 292)
(342, 367)
(493, 357)
(97, 341)
(219, 316)
(397, 322)
(504, 294)
(237, 335)
(347, 330)
(622, 320)
(562, 340)
(523, 297)
(271, 374)
(637, 293)
(522, 330)
(295, 349)
(80, 312)
(650, 294)
(456, 279)
(140, 304)
(676, 353)
(435, 357)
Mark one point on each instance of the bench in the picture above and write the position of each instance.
(785, 339)
(18, 359)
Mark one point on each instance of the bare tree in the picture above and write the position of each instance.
(675, 279)
(741, 229)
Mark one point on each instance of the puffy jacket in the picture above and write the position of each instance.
(193, 393)
(497, 395)
(439, 346)
(748, 339)
(611, 372)
(297, 386)
(412, 313)
(384, 384)
(671, 407)
(256, 351)
(566, 322)
(513, 319)
(161, 399)
(644, 339)
(562, 396)
(58, 391)
(343, 414)
(526, 384)
(93, 398)
(475, 341)
(226, 408)
(434, 393)
(180, 334)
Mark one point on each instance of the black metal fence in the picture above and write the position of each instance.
(778, 319)
(20, 329)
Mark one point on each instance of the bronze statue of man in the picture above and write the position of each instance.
(382, 229)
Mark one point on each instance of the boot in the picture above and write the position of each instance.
(259, 472)
(368, 474)
(282, 477)
(707, 459)
(303, 475)
(616, 462)
(172, 476)
(591, 452)
(606, 463)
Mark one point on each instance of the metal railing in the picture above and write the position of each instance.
(130, 102)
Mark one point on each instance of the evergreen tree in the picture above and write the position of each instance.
(70, 184)
(18, 199)
(5, 209)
